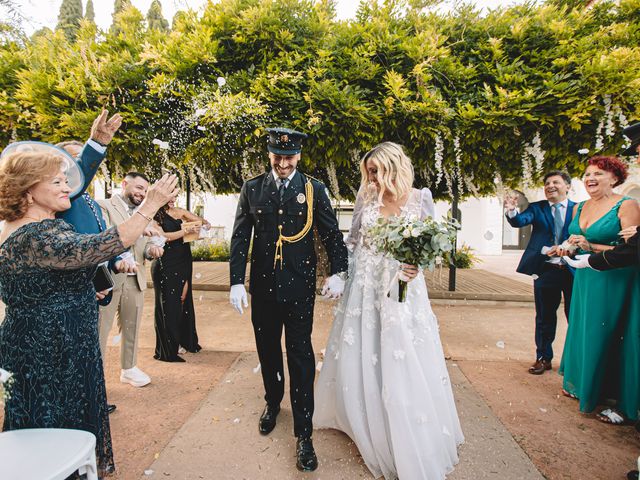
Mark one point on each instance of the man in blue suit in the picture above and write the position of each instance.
(81, 215)
(553, 279)
(85, 214)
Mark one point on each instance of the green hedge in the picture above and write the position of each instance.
(463, 258)
(210, 252)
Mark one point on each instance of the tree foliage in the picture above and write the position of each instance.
(155, 20)
(477, 100)
(89, 13)
(69, 17)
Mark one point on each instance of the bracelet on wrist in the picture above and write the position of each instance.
(148, 219)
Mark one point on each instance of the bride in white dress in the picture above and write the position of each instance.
(384, 381)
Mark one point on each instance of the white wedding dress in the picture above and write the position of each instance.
(384, 381)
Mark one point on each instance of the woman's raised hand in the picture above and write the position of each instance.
(161, 192)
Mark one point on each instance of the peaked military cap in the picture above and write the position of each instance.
(284, 141)
(632, 132)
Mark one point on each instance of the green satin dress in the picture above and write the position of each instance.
(601, 358)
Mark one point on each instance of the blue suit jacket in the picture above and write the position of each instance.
(540, 216)
(80, 215)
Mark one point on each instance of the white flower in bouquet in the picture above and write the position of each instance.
(413, 242)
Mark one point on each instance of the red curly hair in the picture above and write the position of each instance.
(613, 165)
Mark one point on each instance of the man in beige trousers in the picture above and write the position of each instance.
(128, 290)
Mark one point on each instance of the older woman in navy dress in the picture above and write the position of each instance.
(49, 337)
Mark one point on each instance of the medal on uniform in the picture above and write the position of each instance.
(301, 198)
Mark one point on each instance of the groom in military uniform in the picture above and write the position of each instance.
(282, 207)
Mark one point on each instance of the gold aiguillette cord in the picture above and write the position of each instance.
(300, 235)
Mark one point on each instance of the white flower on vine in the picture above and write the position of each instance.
(406, 233)
(438, 157)
(162, 145)
(583, 151)
(221, 81)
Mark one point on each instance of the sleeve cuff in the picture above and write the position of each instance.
(512, 213)
(96, 146)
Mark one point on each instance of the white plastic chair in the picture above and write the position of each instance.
(47, 454)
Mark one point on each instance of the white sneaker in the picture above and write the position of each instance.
(134, 376)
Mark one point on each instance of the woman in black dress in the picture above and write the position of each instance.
(175, 319)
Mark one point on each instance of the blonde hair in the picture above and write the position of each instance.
(19, 172)
(395, 171)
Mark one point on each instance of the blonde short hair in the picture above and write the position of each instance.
(19, 172)
(395, 171)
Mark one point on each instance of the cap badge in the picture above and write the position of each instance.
(284, 138)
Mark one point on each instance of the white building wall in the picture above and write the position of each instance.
(482, 218)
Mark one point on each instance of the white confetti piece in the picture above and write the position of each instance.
(319, 365)
(162, 145)
(500, 344)
(148, 472)
(116, 340)
(256, 369)
(543, 410)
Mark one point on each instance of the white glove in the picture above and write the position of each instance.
(333, 287)
(238, 297)
(581, 261)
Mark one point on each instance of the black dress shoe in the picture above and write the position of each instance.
(632, 475)
(111, 408)
(268, 419)
(306, 460)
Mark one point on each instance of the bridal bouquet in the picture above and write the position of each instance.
(413, 241)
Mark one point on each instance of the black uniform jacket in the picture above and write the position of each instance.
(261, 211)
(624, 255)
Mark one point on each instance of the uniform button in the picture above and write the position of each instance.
(259, 211)
(280, 212)
(299, 213)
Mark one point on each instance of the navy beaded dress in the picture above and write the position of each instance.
(49, 337)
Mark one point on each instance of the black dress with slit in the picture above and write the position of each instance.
(175, 321)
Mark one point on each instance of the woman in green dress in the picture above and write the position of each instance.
(601, 359)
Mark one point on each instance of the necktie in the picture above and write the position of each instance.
(283, 187)
(558, 223)
(94, 210)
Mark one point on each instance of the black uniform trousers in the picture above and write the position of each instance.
(268, 317)
(554, 282)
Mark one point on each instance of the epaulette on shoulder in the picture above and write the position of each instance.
(256, 177)
(314, 179)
